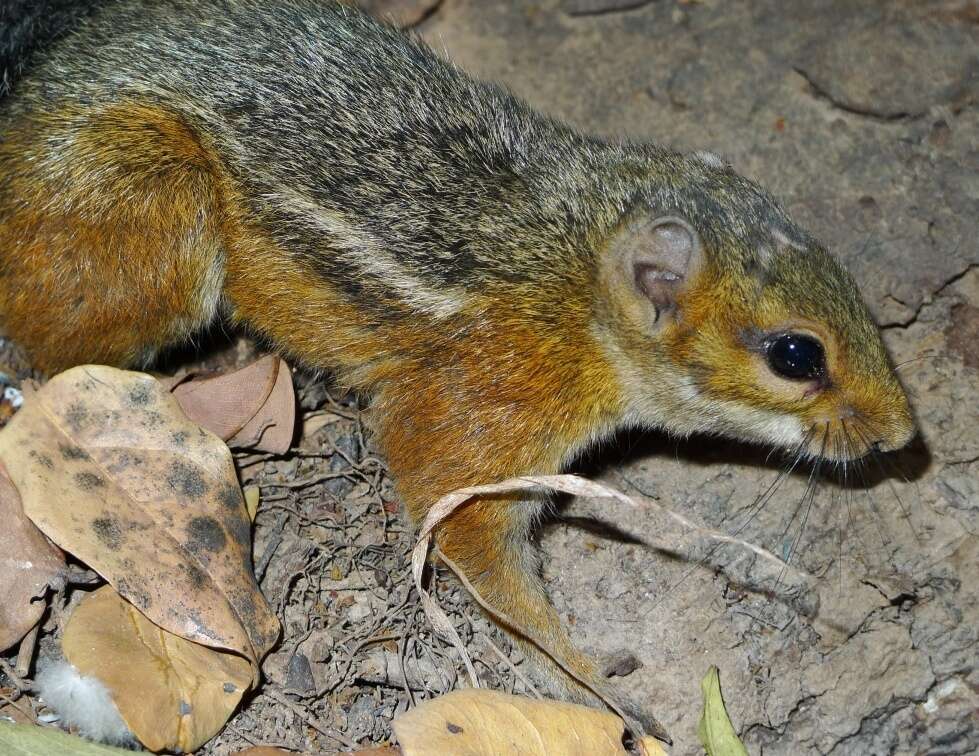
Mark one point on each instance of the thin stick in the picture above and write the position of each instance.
(25, 654)
(29, 713)
(12, 675)
(402, 652)
(310, 719)
(513, 668)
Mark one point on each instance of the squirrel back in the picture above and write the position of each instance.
(28, 28)
(506, 289)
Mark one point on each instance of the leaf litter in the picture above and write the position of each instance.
(111, 519)
(251, 408)
(155, 505)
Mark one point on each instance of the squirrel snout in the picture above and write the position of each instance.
(897, 437)
(851, 434)
(889, 433)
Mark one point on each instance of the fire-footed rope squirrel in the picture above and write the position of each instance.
(506, 290)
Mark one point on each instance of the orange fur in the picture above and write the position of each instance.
(126, 214)
(455, 410)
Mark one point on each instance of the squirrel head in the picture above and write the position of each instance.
(721, 315)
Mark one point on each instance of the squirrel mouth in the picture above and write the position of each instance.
(850, 437)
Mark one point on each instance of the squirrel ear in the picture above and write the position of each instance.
(657, 256)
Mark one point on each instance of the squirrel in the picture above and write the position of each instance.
(506, 290)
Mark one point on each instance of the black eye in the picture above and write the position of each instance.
(796, 357)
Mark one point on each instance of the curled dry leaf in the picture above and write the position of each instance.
(689, 534)
(30, 740)
(110, 469)
(314, 422)
(576, 486)
(488, 723)
(790, 579)
(251, 408)
(29, 563)
(172, 693)
(715, 729)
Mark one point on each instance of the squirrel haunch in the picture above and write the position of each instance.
(505, 289)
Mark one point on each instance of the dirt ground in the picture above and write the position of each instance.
(863, 117)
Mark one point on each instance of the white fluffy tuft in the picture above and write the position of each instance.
(83, 704)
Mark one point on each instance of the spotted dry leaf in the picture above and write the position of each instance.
(173, 694)
(487, 722)
(112, 471)
(29, 563)
(250, 408)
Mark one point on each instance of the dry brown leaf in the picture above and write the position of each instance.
(273, 427)
(489, 723)
(173, 694)
(250, 408)
(317, 421)
(15, 713)
(650, 746)
(270, 751)
(146, 498)
(29, 563)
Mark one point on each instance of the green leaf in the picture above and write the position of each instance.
(715, 730)
(28, 740)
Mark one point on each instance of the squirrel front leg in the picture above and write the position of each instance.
(433, 446)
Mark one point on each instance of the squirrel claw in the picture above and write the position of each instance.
(639, 724)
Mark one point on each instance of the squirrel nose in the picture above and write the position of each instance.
(897, 440)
